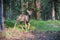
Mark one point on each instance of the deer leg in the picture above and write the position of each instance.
(28, 25)
(14, 25)
(25, 26)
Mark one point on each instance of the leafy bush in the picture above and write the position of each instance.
(9, 23)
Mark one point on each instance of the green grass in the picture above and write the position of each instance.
(9, 23)
(37, 25)
(46, 25)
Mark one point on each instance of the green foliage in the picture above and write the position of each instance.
(46, 9)
(57, 9)
(46, 25)
(9, 23)
(36, 25)
(12, 8)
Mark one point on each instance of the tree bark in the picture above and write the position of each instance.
(10, 11)
(37, 9)
(1, 15)
(53, 11)
(22, 9)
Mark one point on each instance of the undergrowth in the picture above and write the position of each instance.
(36, 25)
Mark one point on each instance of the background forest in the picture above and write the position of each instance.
(41, 8)
(45, 13)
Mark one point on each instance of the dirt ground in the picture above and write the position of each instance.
(16, 35)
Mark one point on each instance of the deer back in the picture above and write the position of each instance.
(22, 18)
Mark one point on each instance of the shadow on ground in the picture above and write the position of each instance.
(48, 35)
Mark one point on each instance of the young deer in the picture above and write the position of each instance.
(24, 18)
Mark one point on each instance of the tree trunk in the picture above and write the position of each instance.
(1, 21)
(22, 9)
(10, 11)
(26, 5)
(37, 9)
(1, 15)
(4, 13)
(53, 11)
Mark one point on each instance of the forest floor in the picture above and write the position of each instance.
(17, 35)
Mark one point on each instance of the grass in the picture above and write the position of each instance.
(46, 25)
(37, 25)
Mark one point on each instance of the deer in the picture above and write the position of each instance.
(24, 18)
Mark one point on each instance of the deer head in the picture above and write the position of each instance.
(29, 12)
